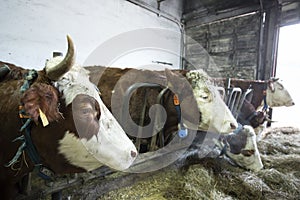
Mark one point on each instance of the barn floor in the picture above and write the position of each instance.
(209, 178)
(280, 178)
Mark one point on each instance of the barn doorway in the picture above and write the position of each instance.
(288, 69)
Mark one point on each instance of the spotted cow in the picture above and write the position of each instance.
(238, 147)
(241, 148)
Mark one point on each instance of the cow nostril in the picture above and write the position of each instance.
(133, 154)
(293, 103)
(232, 125)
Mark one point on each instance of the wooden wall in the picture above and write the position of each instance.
(228, 47)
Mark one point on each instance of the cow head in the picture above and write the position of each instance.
(277, 95)
(242, 149)
(98, 139)
(249, 116)
(214, 114)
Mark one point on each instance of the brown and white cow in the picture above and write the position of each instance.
(241, 148)
(238, 147)
(276, 94)
(201, 105)
(71, 129)
(266, 94)
(248, 115)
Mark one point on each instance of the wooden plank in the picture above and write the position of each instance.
(269, 47)
(290, 14)
(206, 18)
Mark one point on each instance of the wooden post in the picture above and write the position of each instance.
(269, 40)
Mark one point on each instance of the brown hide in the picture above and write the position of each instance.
(8, 132)
(44, 139)
(85, 117)
(249, 116)
(236, 142)
(249, 108)
(16, 72)
(257, 86)
(42, 97)
(113, 83)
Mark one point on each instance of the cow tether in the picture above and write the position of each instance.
(26, 140)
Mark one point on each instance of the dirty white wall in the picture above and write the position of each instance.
(32, 29)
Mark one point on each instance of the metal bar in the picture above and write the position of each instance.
(125, 113)
(141, 124)
(227, 88)
(233, 99)
(244, 97)
(157, 115)
(222, 92)
(128, 94)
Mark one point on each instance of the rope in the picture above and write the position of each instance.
(15, 159)
(26, 140)
(182, 131)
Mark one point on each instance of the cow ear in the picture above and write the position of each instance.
(273, 79)
(4, 70)
(271, 83)
(271, 86)
(178, 84)
(174, 81)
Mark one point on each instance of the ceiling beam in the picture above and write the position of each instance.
(204, 16)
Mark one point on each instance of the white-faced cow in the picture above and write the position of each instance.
(266, 94)
(241, 148)
(55, 118)
(238, 147)
(274, 91)
(200, 103)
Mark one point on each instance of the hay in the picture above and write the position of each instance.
(209, 178)
(196, 183)
(217, 179)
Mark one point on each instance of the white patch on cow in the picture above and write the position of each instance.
(215, 115)
(279, 96)
(76, 153)
(252, 162)
(111, 147)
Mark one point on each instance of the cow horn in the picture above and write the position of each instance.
(55, 72)
(273, 79)
(269, 120)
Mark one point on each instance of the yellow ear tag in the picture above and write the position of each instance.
(43, 118)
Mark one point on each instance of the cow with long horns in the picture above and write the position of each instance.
(54, 119)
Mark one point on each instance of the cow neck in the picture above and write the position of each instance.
(27, 143)
(182, 132)
(265, 106)
(260, 85)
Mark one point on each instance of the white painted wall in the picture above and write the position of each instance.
(32, 29)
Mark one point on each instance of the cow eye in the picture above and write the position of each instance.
(86, 111)
(205, 97)
(248, 153)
